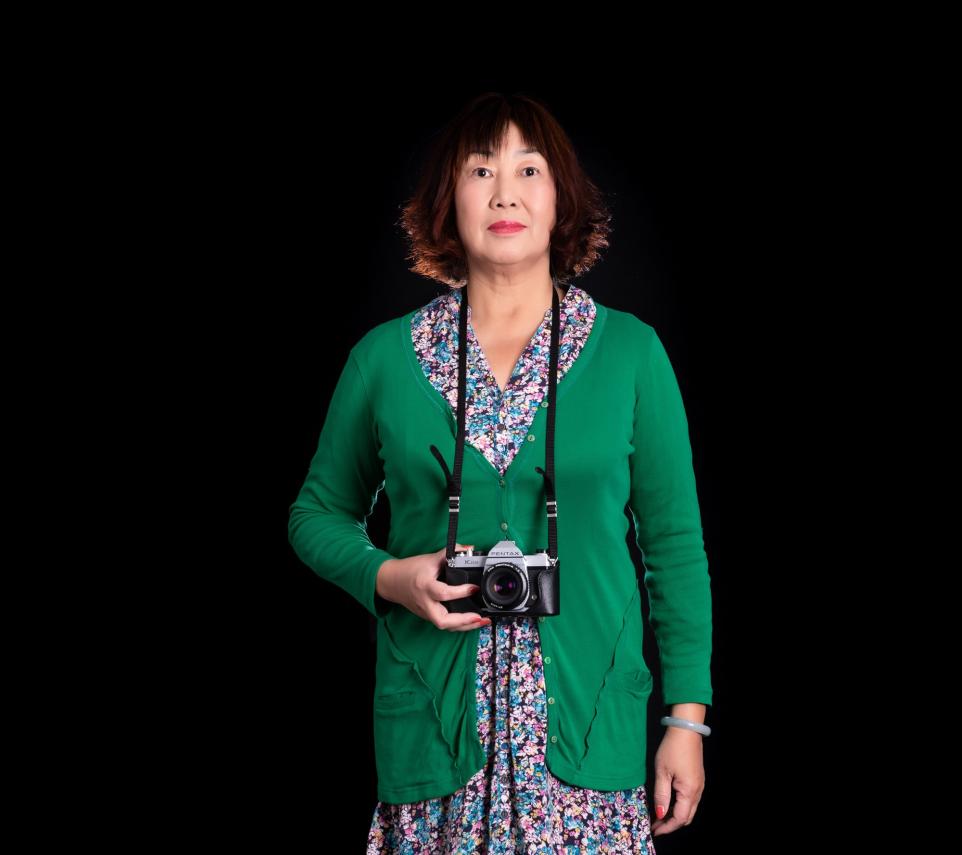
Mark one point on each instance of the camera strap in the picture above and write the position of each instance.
(454, 479)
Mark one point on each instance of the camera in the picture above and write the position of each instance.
(510, 581)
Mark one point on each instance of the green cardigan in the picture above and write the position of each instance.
(621, 437)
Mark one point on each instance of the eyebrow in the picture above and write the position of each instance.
(518, 153)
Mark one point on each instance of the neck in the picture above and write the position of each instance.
(505, 305)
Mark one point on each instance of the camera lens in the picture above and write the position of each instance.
(505, 585)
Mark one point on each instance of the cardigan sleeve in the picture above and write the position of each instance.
(327, 525)
(665, 510)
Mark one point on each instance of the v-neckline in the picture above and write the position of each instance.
(483, 357)
(561, 389)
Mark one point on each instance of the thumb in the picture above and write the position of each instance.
(662, 794)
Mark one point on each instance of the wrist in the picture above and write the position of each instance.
(690, 711)
(382, 582)
(678, 731)
(697, 728)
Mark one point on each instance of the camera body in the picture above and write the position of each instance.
(511, 582)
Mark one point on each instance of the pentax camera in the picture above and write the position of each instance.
(510, 582)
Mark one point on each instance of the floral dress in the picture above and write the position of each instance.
(514, 804)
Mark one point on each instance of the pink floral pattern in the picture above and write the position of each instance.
(514, 804)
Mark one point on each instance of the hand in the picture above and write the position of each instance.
(679, 765)
(413, 583)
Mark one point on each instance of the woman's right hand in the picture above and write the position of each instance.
(413, 583)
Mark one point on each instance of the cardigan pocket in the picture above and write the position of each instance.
(396, 700)
(638, 681)
(617, 738)
(409, 749)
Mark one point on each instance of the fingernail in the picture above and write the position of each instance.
(660, 811)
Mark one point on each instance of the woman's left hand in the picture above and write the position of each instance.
(679, 766)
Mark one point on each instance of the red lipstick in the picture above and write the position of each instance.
(506, 227)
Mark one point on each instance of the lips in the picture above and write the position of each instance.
(506, 226)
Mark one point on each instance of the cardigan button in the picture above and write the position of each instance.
(501, 482)
(504, 526)
(550, 700)
(541, 619)
(547, 660)
(554, 738)
(544, 404)
(530, 437)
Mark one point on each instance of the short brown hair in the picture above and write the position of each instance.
(429, 216)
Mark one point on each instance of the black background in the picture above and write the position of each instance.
(731, 225)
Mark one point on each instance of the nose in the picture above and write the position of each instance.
(504, 194)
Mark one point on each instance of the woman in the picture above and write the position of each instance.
(528, 734)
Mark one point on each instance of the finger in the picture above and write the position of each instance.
(454, 621)
(474, 621)
(662, 794)
(442, 591)
(681, 810)
(666, 826)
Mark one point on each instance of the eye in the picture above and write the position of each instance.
(475, 170)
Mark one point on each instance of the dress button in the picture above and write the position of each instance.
(530, 437)
(550, 700)
(504, 526)
(554, 738)
(547, 660)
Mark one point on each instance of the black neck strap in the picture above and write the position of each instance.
(454, 480)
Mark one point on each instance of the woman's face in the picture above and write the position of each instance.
(511, 184)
